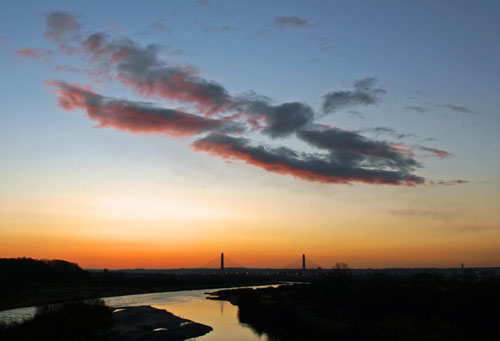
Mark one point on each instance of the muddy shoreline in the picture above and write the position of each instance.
(148, 323)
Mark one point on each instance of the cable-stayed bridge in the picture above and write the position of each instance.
(223, 264)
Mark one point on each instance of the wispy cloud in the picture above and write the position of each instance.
(264, 32)
(447, 182)
(456, 108)
(426, 213)
(323, 43)
(355, 114)
(435, 152)
(160, 26)
(217, 28)
(209, 6)
(365, 93)
(416, 108)
(414, 149)
(31, 53)
(387, 131)
(475, 228)
(204, 3)
(60, 26)
(285, 22)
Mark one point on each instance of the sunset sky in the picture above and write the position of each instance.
(158, 134)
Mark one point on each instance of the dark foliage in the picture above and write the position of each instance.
(22, 273)
(75, 321)
(420, 307)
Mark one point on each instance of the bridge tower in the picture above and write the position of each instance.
(222, 263)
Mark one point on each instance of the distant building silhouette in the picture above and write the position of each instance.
(303, 262)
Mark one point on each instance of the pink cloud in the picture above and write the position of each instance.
(133, 117)
(31, 53)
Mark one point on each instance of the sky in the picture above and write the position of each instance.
(159, 135)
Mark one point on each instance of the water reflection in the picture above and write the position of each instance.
(222, 316)
(17, 315)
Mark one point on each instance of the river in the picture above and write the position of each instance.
(222, 316)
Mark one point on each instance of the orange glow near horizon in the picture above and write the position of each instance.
(130, 256)
(152, 232)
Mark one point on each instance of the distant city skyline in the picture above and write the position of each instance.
(159, 136)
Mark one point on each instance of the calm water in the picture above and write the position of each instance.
(222, 316)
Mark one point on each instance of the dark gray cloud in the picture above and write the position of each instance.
(456, 108)
(417, 108)
(434, 152)
(323, 43)
(280, 120)
(286, 118)
(356, 114)
(447, 182)
(475, 228)
(141, 68)
(306, 166)
(159, 25)
(61, 26)
(264, 32)
(387, 131)
(284, 22)
(204, 3)
(352, 149)
(209, 6)
(217, 28)
(426, 213)
(364, 93)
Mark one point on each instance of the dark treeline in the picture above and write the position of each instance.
(22, 273)
(417, 307)
(27, 282)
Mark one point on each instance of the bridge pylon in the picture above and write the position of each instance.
(222, 263)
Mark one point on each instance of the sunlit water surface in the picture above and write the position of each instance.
(222, 316)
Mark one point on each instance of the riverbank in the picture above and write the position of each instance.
(94, 320)
(37, 297)
(150, 324)
(420, 307)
